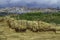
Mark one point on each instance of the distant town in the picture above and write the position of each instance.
(25, 9)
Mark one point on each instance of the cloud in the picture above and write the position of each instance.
(50, 2)
(38, 1)
(43, 1)
(14, 1)
(3, 2)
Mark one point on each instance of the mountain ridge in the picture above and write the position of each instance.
(30, 5)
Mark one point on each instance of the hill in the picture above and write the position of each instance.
(49, 17)
(18, 27)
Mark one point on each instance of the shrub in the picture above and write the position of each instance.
(1, 19)
(12, 23)
(35, 26)
(20, 28)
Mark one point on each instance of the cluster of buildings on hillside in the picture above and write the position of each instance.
(25, 10)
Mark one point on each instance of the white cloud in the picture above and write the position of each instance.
(14, 1)
(3, 2)
(29, 1)
(43, 1)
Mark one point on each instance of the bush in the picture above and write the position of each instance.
(21, 26)
(1, 19)
(12, 23)
(33, 26)
(43, 26)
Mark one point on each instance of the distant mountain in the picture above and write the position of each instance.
(32, 4)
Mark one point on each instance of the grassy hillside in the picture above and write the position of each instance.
(10, 26)
(38, 16)
(24, 25)
(47, 17)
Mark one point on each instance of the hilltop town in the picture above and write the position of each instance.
(25, 9)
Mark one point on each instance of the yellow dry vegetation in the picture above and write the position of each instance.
(9, 28)
(23, 25)
(35, 26)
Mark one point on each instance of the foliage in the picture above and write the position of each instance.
(47, 17)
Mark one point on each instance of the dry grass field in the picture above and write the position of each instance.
(8, 32)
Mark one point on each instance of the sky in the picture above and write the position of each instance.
(47, 2)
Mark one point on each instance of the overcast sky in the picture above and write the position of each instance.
(50, 2)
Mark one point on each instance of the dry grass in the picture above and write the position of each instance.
(35, 26)
(7, 33)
